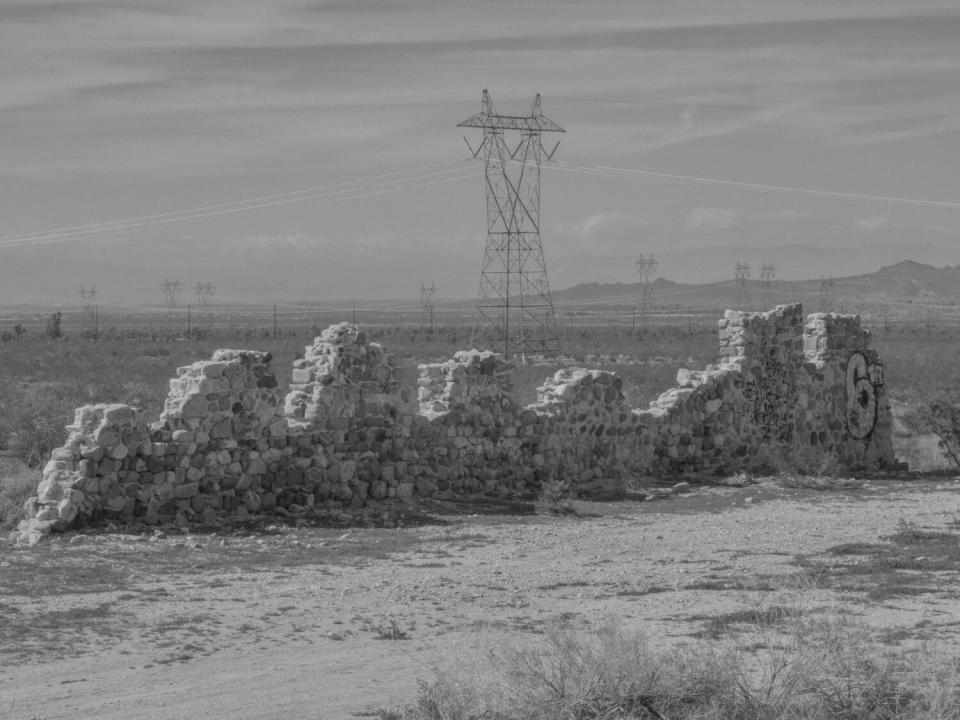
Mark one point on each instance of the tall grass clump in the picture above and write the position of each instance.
(810, 670)
(17, 483)
(938, 416)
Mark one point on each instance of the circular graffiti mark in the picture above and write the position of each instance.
(861, 397)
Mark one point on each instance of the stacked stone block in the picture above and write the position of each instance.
(584, 429)
(471, 428)
(341, 377)
(228, 444)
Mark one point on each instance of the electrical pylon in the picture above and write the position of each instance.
(204, 291)
(647, 267)
(826, 294)
(515, 304)
(427, 304)
(88, 299)
(740, 275)
(170, 290)
(768, 274)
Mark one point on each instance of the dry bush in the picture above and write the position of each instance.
(938, 416)
(806, 669)
(804, 467)
(17, 483)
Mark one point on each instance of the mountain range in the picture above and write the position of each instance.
(900, 289)
(259, 278)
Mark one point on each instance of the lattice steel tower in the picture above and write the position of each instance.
(515, 304)
(768, 273)
(741, 273)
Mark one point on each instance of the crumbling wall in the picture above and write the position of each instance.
(229, 443)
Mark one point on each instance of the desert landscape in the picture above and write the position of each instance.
(340, 612)
(339, 621)
(479, 361)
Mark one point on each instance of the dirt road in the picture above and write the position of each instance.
(334, 623)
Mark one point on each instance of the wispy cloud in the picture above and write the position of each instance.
(872, 224)
(112, 109)
(711, 218)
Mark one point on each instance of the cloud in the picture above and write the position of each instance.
(710, 218)
(872, 224)
(609, 222)
(609, 233)
(281, 242)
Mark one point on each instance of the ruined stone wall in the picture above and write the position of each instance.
(229, 442)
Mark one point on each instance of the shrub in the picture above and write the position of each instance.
(34, 422)
(811, 670)
(17, 483)
(52, 329)
(803, 467)
(939, 417)
(556, 497)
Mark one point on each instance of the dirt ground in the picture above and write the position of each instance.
(336, 622)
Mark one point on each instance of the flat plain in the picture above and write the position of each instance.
(275, 621)
(331, 619)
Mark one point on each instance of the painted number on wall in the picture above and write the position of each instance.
(863, 380)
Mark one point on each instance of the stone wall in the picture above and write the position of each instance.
(229, 443)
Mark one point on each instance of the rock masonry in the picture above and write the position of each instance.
(229, 443)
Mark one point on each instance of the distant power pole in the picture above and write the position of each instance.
(826, 294)
(427, 304)
(741, 274)
(170, 290)
(768, 274)
(647, 267)
(515, 304)
(204, 291)
(88, 299)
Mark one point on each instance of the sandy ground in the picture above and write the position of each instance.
(225, 629)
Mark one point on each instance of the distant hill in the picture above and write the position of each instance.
(905, 281)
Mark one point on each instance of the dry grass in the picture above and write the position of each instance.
(807, 669)
(17, 483)
(912, 561)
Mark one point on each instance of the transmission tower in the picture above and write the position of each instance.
(204, 291)
(826, 294)
(515, 304)
(768, 274)
(88, 299)
(741, 274)
(647, 267)
(426, 304)
(170, 291)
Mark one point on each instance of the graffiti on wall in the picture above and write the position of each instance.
(768, 396)
(864, 378)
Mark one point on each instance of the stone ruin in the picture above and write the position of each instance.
(229, 443)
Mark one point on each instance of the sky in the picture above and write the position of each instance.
(310, 149)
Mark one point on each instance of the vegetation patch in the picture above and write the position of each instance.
(910, 562)
(61, 633)
(814, 671)
(718, 582)
(392, 631)
(17, 483)
(720, 625)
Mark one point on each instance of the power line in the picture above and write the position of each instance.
(628, 172)
(365, 187)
